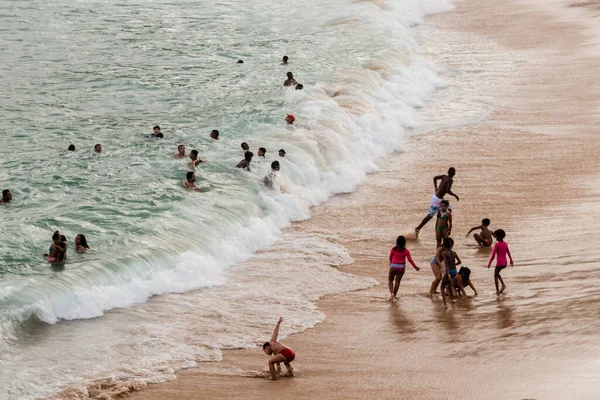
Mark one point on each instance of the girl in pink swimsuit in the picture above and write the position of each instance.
(500, 251)
(398, 256)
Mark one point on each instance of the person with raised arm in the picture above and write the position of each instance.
(279, 353)
(444, 188)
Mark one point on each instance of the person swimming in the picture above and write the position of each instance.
(195, 160)
(299, 86)
(262, 152)
(281, 153)
(189, 183)
(81, 245)
(71, 147)
(245, 146)
(272, 180)
(157, 134)
(98, 148)
(285, 60)
(245, 163)
(214, 134)
(290, 119)
(6, 196)
(58, 250)
(180, 152)
(290, 81)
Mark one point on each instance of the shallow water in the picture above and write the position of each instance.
(81, 73)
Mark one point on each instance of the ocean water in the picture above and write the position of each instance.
(174, 276)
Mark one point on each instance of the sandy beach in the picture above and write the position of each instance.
(532, 168)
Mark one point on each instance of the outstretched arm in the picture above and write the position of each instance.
(472, 287)
(276, 331)
(452, 194)
(473, 229)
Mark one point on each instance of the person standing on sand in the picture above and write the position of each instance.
(486, 237)
(279, 353)
(500, 251)
(450, 260)
(444, 188)
(443, 224)
(398, 256)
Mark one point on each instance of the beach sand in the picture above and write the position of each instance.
(532, 168)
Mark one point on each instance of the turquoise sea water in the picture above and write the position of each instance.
(85, 72)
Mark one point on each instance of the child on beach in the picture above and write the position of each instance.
(500, 251)
(279, 353)
(485, 238)
(462, 280)
(451, 260)
(436, 268)
(398, 256)
(443, 224)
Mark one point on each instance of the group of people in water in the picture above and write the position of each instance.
(57, 253)
(445, 262)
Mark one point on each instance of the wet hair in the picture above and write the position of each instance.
(63, 238)
(266, 344)
(157, 127)
(189, 176)
(83, 241)
(263, 150)
(285, 58)
(248, 155)
(290, 75)
(194, 153)
(448, 242)
(56, 235)
(240, 61)
(96, 145)
(5, 193)
(466, 273)
(71, 147)
(282, 151)
(215, 131)
(445, 202)
(451, 171)
(400, 243)
(275, 164)
(245, 146)
(299, 86)
(485, 222)
(180, 146)
(500, 234)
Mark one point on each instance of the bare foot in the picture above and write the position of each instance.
(416, 233)
(273, 377)
(394, 300)
(291, 372)
(503, 288)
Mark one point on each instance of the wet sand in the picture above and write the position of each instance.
(533, 170)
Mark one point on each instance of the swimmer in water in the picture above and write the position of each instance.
(486, 237)
(500, 251)
(245, 163)
(157, 134)
(245, 146)
(58, 250)
(71, 147)
(290, 81)
(194, 157)
(189, 183)
(290, 119)
(214, 134)
(81, 245)
(6, 196)
(281, 153)
(398, 256)
(180, 152)
(285, 60)
(98, 148)
(299, 86)
(444, 188)
(279, 353)
(261, 152)
(443, 224)
(271, 180)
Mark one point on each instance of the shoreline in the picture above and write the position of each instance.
(368, 349)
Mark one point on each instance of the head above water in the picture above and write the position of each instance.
(71, 147)
(194, 154)
(248, 156)
(401, 243)
(98, 148)
(181, 149)
(56, 235)
(281, 153)
(299, 86)
(262, 151)
(190, 176)
(156, 129)
(451, 172)
(245, 146)
(63, 238)
(485, 222)
(290, 75)
(214, 134)
(275, 165)
(290, 119)
(500, 234)
(285, 59)
(80, 240)
(6, 195)
(240, 61)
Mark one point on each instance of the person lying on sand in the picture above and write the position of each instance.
(279, 353)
